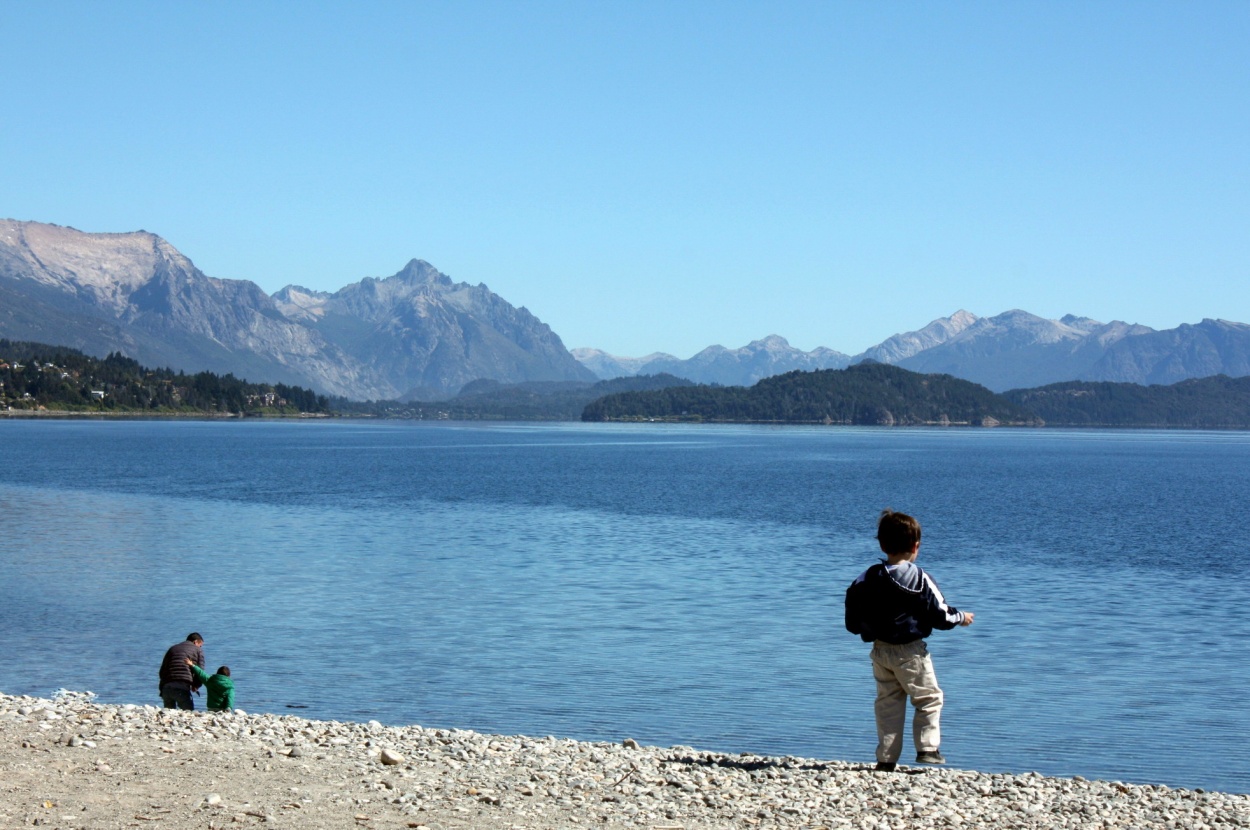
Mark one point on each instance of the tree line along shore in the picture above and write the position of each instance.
(36, 379)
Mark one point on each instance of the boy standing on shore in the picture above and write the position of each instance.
(895, 605)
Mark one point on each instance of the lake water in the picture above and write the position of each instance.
(673, 584)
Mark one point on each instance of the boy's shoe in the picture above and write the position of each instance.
(932, 757)
(886, 766)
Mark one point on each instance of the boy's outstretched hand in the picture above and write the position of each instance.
(968, 615)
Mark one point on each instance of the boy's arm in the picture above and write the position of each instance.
(200, 674)
(942, 616)
(230, 697)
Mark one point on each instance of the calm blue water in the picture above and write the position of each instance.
(677, 585)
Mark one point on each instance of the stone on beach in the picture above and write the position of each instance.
(151, 767)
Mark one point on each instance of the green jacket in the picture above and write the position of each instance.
(220, 689)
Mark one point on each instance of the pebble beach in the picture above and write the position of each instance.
(72, 763)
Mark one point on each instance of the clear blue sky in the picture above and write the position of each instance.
(661, 175)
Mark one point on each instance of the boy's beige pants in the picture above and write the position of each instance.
(901, 672)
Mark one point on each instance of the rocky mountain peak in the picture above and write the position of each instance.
(771, 343)
(420, 272)
(299, 303)
(108, 267)
(902, 346)
(1224, 324)
(1086, 324)
(1023, 327)
(294, 290)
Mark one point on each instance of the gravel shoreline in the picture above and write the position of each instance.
(70, 763)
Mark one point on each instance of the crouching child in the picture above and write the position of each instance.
(220, 687)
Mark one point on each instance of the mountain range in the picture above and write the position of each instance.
(729, 367)
(420, 336)
(416, 334)
(1012, 350)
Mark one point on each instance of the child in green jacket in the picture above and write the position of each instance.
(220, 687)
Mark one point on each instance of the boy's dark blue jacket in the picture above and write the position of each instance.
(879, 608)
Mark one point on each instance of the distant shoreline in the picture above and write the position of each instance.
(62, 414)
(31, 414)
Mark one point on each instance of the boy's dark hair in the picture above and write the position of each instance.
(224, 670)
(194, 637)
(897, 532)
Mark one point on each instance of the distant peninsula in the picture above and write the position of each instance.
(867, 394)
(876, 394)
(1217, 402)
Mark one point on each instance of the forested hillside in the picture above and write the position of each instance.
(1210, 403)
(866, 394)
(35, 377)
